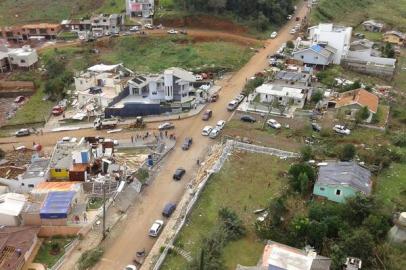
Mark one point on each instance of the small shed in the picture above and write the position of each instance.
(57, 205)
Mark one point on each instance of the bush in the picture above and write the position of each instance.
(142, 174)
(306, 153)
(302, 176)
(232, 224)
(399, 139)
(317, 96)
(347, 152)
(90, 258)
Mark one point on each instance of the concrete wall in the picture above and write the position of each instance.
(384, 72)
(329, 192)
(49, 231)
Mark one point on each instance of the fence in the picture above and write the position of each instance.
(229, 146)
(68, 249)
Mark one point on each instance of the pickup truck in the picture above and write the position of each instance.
(100, 123)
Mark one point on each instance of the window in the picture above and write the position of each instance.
(322, 188)
(30, 185)
(302, 56)
(338, 192)
(52, 29)
(22, 61)
(22, 184)
(104, 20)
(58, 170)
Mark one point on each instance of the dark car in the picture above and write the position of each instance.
(187, 143)
(207, 115)
(168, 209)
(179, 173)
(248, 118)
(316, 127)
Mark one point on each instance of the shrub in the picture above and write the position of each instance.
(306, 153)
(347, 152)
(399, 139)
(90, 258)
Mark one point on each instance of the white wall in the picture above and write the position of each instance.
(7, 220)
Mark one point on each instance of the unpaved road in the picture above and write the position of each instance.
(133, 234)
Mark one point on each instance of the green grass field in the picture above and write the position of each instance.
(351, 12)
(391, 187)
(241, 188)
(25, 11)
(44, 255)
(152, 54)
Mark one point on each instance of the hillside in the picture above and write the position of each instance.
(14, 12)
(351, 12)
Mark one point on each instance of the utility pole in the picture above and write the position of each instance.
(104, 211)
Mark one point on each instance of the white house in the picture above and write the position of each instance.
(337, 37)
(101, 84)
(140, 8)
(24, 57)
(11, 205)
(282, 94)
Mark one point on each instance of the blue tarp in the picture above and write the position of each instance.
(57, 204)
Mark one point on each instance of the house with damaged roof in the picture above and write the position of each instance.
(338, 180)
(352, 101)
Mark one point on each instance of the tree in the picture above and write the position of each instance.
(306, 153)
(377, 225)
(356, 209)
(316, 234)
(296, 170)
(290, 44)
(360, 244)
(347, 152)
(231, 223)
(317, 96)
(388, 50)
(362, 114)
(303, 180)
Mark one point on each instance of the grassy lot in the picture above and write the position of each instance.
(355, 12)
(150, 54)
(44, 255)
(246, 182)
(391, 187)
(19, 12)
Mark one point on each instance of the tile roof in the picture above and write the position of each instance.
(358, 96)
(337, 173)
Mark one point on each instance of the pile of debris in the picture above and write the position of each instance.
(11, 172)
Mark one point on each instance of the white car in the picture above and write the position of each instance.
(273, 124)
(292, 32)
(220, 124)
(130, 267)
(134, 29)
(66, 139)
(166, 126)
(341, 130)
(274, 34)
(148, 26)
(240, 98)
(289, 17)
(214, 133)
(156, 228)
(172, 32)
(206, 130)
(199, 77)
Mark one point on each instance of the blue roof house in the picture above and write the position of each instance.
(316, 55)
(338, 181)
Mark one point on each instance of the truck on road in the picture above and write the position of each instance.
(101, 123)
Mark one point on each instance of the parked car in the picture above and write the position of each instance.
(220, 124)
(172, 32)
(289, 17)
(214, 133)
(207, 115)
(57, 110)
(148, 26)
(248, 118)
(166, 126)
(214, 97)
(273, 124)
(232, 105)
(240, 98)
(274, 34)
(179, 174)
(156, 228)
(168, 209)
(23, 132)
(206, 130)
(316, 127)
(341, 130)
(293, 31)
(130, 267)
(187, 143)
(134, 28)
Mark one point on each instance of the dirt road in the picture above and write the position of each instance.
(134, 233)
